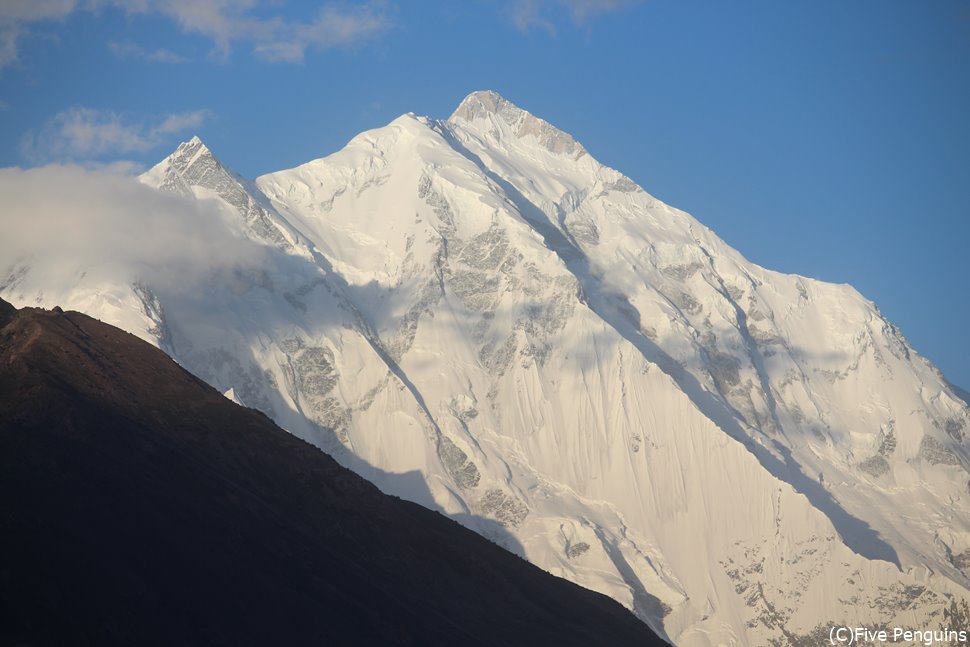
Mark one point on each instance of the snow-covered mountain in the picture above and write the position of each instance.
(478, 316)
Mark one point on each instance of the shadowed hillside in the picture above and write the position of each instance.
(140, 506)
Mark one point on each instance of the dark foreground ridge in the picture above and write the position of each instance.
(138, 506)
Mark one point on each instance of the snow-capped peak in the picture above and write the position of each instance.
(483, 319)
(492, 115)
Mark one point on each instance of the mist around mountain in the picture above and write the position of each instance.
(477, 316)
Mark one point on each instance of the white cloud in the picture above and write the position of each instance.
(8, 45)
(83, 133)
(583, 9)
(129, 50)
(333, 27)
(15, 11)
(224, 22)
(15, 14)
(60, 219)
(527, 14)
(178, 122)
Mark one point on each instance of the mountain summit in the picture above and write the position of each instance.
(491, 111)
(478, 316)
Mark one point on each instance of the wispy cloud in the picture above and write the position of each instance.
(334, 26)
(8, 44)
(129, 50)
(529, 14)
(258, 24)
(15, 15)
(85, 133)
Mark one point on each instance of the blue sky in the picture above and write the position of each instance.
(826, 138)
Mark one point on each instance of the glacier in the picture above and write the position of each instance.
(478, 316)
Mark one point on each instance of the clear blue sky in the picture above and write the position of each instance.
(826, 138)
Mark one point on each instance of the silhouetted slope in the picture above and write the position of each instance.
(140, 506)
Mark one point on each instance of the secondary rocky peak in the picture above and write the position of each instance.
(193, 165)
(190, 152)
(489, 111)
(190, 164)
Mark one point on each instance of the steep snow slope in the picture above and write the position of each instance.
(478, 316)
(809, 371)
